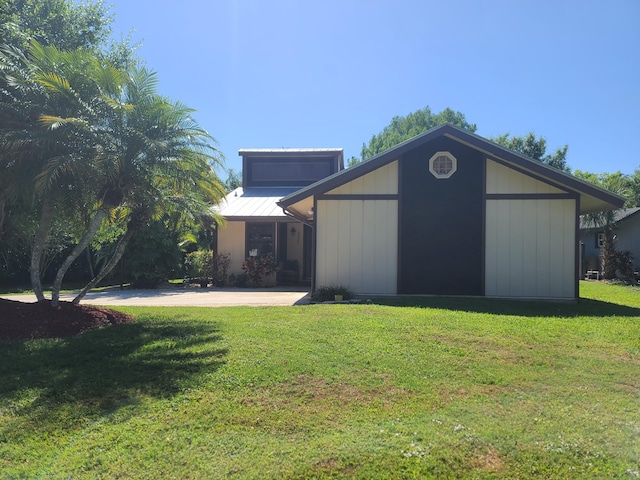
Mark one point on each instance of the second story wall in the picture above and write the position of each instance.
(289, 167)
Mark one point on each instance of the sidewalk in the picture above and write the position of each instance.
(188, 297)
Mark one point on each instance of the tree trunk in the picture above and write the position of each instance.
(113, 261)
(84, 242)
(90, 262)
(608, 253)
(39, 243)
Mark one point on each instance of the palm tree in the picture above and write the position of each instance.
(617, 184)
(50, 138)
(105, 140)
(164, 163)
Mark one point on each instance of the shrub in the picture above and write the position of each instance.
(220, 268)
(204, 267)
(624, 263)
(325, 293)
(197, 267)
(152, 256)
(239, 281)
(257, 268)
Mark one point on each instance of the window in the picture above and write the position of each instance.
(442, 165)
(260, 239)
(282, 172)
(599, 239)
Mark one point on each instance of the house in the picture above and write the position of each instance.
(256, 226)
(627, 234)
(448, 213)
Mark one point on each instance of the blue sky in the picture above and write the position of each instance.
(293, 73)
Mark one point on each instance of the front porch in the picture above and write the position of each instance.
(288, 243)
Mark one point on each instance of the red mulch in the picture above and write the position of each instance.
(21, 321)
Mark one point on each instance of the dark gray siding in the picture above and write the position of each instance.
(441, 223)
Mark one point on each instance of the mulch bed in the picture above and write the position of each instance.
(23, 321)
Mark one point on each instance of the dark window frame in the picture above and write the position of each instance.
(280, 171)
(260, 236)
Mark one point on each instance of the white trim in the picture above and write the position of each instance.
(440, 175)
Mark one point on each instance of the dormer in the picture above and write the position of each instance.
(289, 167)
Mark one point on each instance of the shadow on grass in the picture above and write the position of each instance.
(584, 307)
(101, 371)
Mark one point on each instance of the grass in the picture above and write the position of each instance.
(430, 388)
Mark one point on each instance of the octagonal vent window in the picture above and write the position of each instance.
(443, 165)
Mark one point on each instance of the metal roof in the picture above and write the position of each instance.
(243, 151)
(258, 203)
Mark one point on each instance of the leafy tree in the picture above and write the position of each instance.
(616, 182)
(66, 24)
(233, 181)
(353, 161)
(152, 255)
(536, 148)
(635, 188)
(404, 128)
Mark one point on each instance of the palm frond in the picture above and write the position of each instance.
(53, 122)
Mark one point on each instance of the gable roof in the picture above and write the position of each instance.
(592, 198)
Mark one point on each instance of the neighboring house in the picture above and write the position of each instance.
(257, 226)
(448, 213)
(627, 232)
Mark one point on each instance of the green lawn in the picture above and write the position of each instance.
(453, 388)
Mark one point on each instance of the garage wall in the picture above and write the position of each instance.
(357, 245)
(231, 240)
(530, 248)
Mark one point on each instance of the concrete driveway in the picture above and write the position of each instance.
(189, 297)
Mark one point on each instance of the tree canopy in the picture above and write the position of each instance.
(62, 23)
(536, 148)
(404, 128)
(617, 182)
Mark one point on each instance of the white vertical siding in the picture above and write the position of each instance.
(231, 240)
(530, 248)
(501, 179)
(384, 180)
(357, 244)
